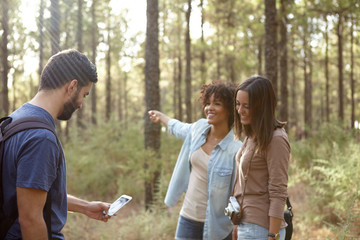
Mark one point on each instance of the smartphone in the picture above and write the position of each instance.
(119, 203)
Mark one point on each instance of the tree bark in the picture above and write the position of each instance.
(126, 100)
(41, 38)
(259, 56)
(352, 80)
(80, 46)
(188, 66)
(5, 54)
(120, 101)
(271, 42)
(175, 98)
(152, 93)
(294, 103)
(55, 38)
(108, 76)
(283, 64)
(202, 54)
(94, 43)
(179, 95)
(307, 89)
(327, 85)
(55, 26)
(339, 32)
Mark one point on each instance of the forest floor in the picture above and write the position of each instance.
(80, 227)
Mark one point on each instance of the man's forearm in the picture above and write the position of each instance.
(33, 229)
(95, 210)
(76, 204)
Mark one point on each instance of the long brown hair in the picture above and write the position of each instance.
(262, 105)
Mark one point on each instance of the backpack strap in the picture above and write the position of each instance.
(8, 129)
(289, 207)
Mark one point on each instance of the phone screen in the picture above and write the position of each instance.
(119, 203)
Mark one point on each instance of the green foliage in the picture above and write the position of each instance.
(318, 145)
(130, 223)
(328, 162)
(109, 160)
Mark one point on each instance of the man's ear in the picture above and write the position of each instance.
(72, 86)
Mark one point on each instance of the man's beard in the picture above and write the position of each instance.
(69, 108)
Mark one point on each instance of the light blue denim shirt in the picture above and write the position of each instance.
(221, 174)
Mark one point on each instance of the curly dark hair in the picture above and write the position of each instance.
(223, 91)
(65, 66)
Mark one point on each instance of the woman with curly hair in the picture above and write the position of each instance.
(205, 168)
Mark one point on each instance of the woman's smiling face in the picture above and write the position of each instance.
(216, 112)
(242, 107)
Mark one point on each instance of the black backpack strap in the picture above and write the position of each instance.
(289, 207)
(8, 129)
(25, 123)
(3, 123)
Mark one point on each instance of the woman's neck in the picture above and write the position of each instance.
(218, 132)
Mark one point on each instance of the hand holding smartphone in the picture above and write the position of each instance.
(119, 203)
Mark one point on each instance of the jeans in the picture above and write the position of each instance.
(255, 232)
(188, 229)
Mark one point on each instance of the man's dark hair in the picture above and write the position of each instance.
(223, 91)
(66, 66)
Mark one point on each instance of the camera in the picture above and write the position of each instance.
(232, 208)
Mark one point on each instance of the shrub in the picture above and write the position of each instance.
(328, 162)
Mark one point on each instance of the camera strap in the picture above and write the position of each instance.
(247, 172)
(246, 177)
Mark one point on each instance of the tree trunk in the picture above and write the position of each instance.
(55, 26)
(307, 89)
(94, 43)
(41, 37)
(283, 64)
(68, 22)
(294, 103)
(126, 100)
(260, 52)
(271, 42)
(179, 80)
(175, 97)
(108, 76)
(152, 94)
(352, 80)
(218, 53)
(339, 31)
(80, 112)
(327, 85)
(67, 19)
(55, 38)
(5, 54)
(202, 54)
(188, 66)
(120, 102)
(178, 57)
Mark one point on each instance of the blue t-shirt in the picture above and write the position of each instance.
(31, 161)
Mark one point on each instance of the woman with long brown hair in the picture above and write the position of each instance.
(262, 162)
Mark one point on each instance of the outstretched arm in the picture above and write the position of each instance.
(93, 210)
(157, 116)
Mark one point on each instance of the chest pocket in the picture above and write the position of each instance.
(222, 177)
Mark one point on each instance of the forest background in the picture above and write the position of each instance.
(309, 49)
